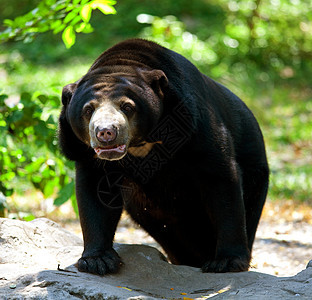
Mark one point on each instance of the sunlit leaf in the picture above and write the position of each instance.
(49, 188)
(65, 193)
(59, 28)
(8, 22)
(29, 217)
(88, 28)
(69, 36)
(70, 16)
(103, 7)
(80, 27)
(56, 24)
(86, 13)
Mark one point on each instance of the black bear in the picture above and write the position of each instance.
(178, 151)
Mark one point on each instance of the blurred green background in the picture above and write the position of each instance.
(260, 49)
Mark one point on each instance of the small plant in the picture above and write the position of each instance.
(29, 152)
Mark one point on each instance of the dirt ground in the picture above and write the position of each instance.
(283, 244)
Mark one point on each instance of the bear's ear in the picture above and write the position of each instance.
(156, 79)
(67, 93)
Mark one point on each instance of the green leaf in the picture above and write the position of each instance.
(7, 176)
(41, 129)
(56, 24)
(69, 36)
(88, 28)
(36, 179)
(59, 28)
(50, 120)
(54, 101)
(8, 192)
(103, 7)
(59, 6)
(85, 13)
(70, 16)
(29, 217)
(8, 22)
(49, 188)
(80, 27)
(43, 99)
(3, 97)
(65, 193)
(75, 20)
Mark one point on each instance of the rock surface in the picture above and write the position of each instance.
(30, 253)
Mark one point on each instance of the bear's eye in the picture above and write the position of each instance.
(88, 111)
(127, 108)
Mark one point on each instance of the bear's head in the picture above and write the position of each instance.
(113, 110)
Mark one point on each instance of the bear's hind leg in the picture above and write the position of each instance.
(255, 186)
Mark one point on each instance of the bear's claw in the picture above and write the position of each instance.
(223, 265)
(106, 263)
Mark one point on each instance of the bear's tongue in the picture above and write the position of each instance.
(114, 148)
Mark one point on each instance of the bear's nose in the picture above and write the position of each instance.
(106, 134)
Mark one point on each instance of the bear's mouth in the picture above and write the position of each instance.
(111, 152)
(111, 148)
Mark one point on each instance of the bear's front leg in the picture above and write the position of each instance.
(98, 220)
(225, 207)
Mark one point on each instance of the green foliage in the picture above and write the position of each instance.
(287, 127)
(29, 151)
(273, 35)
(67, 16)
(171, 33)
(249, 44)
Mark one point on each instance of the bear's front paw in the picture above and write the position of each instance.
(223, 265)
(106, 263)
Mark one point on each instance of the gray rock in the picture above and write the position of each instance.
(30, 253)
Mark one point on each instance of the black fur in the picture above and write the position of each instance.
(201, 189)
